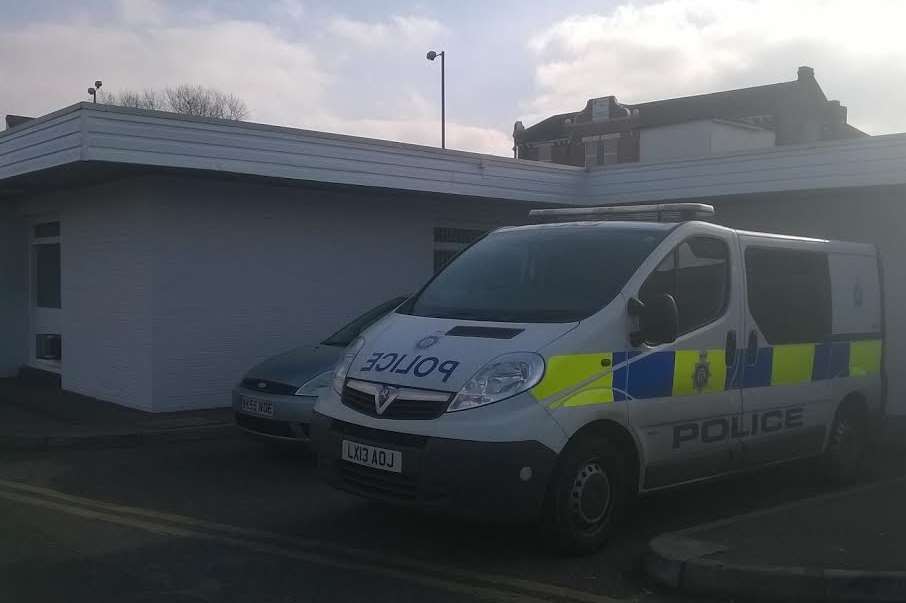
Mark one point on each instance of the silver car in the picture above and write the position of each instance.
(275, 398)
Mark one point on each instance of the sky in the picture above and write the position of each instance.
(358, 66)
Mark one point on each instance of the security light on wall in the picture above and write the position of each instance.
(93, 92)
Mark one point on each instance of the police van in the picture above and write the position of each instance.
(554, 371)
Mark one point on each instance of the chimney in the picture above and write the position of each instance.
(805, 73)
(838, 111)
(16, 120)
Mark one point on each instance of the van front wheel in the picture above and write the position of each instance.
(587, 495)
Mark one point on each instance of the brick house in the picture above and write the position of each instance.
(607, 132)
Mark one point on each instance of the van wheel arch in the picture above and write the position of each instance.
(620, 437)
(847, 440)
(854, 402)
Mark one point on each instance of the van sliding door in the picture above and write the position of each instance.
(785, 398)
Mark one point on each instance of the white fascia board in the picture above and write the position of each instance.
(874, 161)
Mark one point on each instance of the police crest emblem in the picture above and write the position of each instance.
(702, 373)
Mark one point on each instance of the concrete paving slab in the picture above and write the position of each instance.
(847, 545)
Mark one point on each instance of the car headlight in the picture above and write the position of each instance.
(315, 385)
(342, 368)
(501, 378)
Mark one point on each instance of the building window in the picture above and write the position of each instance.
(602, 150)
(697, 274)
(608, 150)
(544, 152)
(46, 259)
(47, 275)
(450, 241)
(789, 294)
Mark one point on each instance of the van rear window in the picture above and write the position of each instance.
(552, 274)
(789, 294)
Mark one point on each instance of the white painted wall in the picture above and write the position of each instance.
(13, 289)
(699, 139)
(244, 271)
(106, 294)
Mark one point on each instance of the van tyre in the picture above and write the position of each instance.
(847, 444)
(587, 496)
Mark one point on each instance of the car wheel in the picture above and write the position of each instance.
(587, 495)
(846, 446)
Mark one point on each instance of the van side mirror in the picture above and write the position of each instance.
(658, 320)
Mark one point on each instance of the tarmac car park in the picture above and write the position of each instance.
(552, 372)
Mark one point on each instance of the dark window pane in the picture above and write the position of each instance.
(47, 276)
(47, 230)
(789, 294)
(697, 275)
(442, 257)
(48, 346)
(562, 273)
(702, 282)
(456, 235)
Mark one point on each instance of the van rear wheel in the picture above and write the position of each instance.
(587, 495)
(847, 444)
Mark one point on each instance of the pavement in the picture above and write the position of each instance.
(848, 545)
(37, 414)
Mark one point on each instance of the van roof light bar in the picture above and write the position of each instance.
(662, 212)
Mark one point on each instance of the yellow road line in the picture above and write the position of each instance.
(163, 530)
(531, 586)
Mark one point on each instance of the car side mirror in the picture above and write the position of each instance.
(658, 320)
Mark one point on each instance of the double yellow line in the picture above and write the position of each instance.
(475, 584)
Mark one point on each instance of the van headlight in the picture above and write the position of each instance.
(342, 368)
(314, 386)
(501, 378)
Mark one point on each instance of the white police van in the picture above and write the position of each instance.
(554, 371)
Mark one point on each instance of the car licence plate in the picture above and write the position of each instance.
(253, 406)
(372, 456)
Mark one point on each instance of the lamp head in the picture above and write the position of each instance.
(431, 55)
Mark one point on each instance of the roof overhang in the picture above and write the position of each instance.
(87, 142)
(95, 135)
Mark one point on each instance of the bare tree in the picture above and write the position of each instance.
(187, 99)
(145, 99)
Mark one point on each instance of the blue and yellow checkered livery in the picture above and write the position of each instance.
(600, 378)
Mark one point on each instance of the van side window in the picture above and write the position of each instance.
(789, 294)
(697, 274)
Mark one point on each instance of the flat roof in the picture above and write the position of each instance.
(118, 138)
(86, 132)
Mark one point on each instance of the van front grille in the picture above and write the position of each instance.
(400, 408)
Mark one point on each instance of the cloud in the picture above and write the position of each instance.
(426, 131)
(407, 30)
(141, 11)
(284, 80)
(54, 63)
(679, 47)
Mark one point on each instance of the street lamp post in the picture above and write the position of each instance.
(443, 117)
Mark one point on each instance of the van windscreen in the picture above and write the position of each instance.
(546, 274)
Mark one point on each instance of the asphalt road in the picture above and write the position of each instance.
(237, 520)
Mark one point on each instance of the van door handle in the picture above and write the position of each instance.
(752, 348)
(730, 350)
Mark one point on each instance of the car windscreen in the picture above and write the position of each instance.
(344, 336)
(546, 274)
